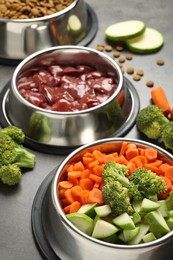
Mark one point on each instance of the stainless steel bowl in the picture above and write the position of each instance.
(22, 37)
(68, 242)
(68, 128)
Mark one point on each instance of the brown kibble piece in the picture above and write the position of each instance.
(121, 60)
(129, 56)
(160, 62)
(120, 65)
(116, 54)
(119, 48)
(136, 77)
(100, 48)
(140, 72)
(150, 83)
(108, 48)
(130, 70)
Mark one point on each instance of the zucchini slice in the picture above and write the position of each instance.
(150, 41)
(123, 31)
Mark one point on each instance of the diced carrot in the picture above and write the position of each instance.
(169, 173)
(157, 163)
(109, 158)
(122, 160)
(131, 153)
(160, 99)
(131, 146)
(86, 184)
(123, 148)
(85, 173)
(131, 167)
(137, 161)
(151, 154)
(99, 156)
(65, 184)
(69, 196)
(95, 178)
(78, 166)
(95, 196)
(97, 170)
(70, 168)
(167, 182)
(92, 164)
(151, 167)
(143, 159)
(84, 196)
(61, 192)
(67, 209)
(87, 160)
(162, 168)
(76, 190)
(75, 206)
(74, 174)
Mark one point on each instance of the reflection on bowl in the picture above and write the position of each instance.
(68, 128)
(78, 244)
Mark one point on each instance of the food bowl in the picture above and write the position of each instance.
(22, 37)
(67, 129)
(68, 242)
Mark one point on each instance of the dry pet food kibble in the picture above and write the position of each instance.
(28, 9)
(130, 70)
(160, 62)
(150, 83)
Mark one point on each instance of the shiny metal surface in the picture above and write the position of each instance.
(70, 243)
(69, 128)
(20, 38)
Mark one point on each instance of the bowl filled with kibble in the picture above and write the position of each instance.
(29, 26)
(68, 96)
(111, 199)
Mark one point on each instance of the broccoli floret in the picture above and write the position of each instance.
(167, 136)
(116, 196)
(115, 171)
(12, 152)
(10, 174)
(39, 127)
(147, 183)
(15, 133)
(151, 121)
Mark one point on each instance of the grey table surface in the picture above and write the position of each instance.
(16, 238)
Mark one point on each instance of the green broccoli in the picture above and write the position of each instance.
(146, 182)
(15, 133)
(116, 196)
(115, 171)
(10, 174)
(167, 136)
(151, 121)
(39, 127)
(13, 153)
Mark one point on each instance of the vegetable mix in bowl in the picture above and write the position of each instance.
(121, 197)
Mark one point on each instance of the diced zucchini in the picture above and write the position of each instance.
(157, 223)
(164, 207)
(136, 217)
(169, 222)
(103, 211)
(148, 205)
(88, 209)
(103, 229)
(149, 237)
(81, 221)
(137, 205)
(124, 221)
(143, 229)
(130, 234)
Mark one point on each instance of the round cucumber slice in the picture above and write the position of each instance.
(125, 30)
(150, 41)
